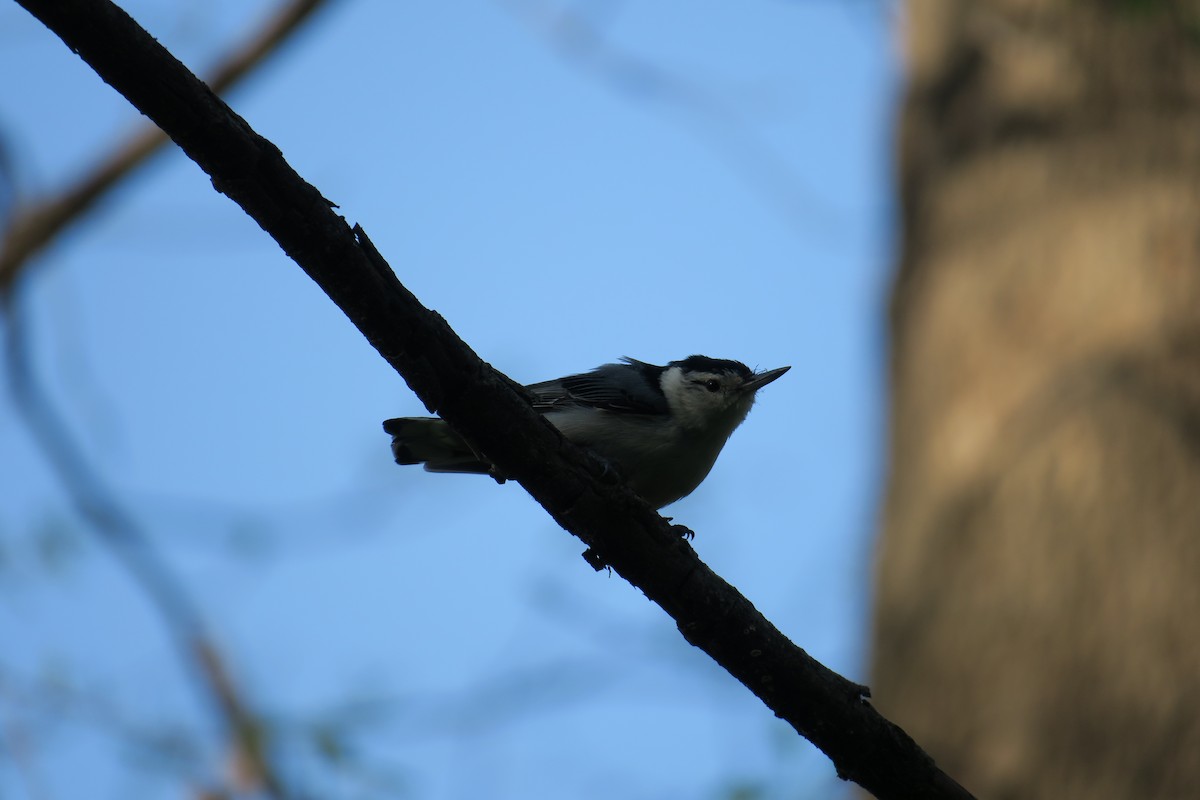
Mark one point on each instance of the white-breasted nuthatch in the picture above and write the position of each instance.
(661, 427)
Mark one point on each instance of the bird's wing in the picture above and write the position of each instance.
(631, 388)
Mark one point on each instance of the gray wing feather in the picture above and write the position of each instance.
(630, 388)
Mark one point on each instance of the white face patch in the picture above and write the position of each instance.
(706, 399)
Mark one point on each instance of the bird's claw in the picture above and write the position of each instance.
(682, 531)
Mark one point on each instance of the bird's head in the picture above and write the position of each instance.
(712, 393)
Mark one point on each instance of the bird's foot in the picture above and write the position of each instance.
(682, 531)
(595, 560)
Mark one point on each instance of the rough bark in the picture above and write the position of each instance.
(1038, 602)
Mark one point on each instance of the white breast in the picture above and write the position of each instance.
(662, 462)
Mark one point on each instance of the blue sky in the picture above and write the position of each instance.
(714, 179)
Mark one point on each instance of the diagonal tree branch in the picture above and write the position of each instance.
(491, 412)
(34, 226)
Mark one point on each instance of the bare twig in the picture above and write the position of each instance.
(34, 225)
(120, 532)
(486, 408)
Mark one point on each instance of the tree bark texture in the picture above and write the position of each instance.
(1038, 599)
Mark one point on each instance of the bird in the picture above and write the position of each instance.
(660, 427)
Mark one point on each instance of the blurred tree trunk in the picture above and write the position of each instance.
(1038, 601)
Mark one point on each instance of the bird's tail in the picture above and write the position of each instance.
(429, 441)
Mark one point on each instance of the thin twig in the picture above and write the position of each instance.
(34, 225)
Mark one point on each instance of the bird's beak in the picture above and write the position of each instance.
(763, 378)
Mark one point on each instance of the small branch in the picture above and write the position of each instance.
(35, 225)
(119, 531)
(486, 408)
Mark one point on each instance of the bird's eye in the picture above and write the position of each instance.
(712, 384)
